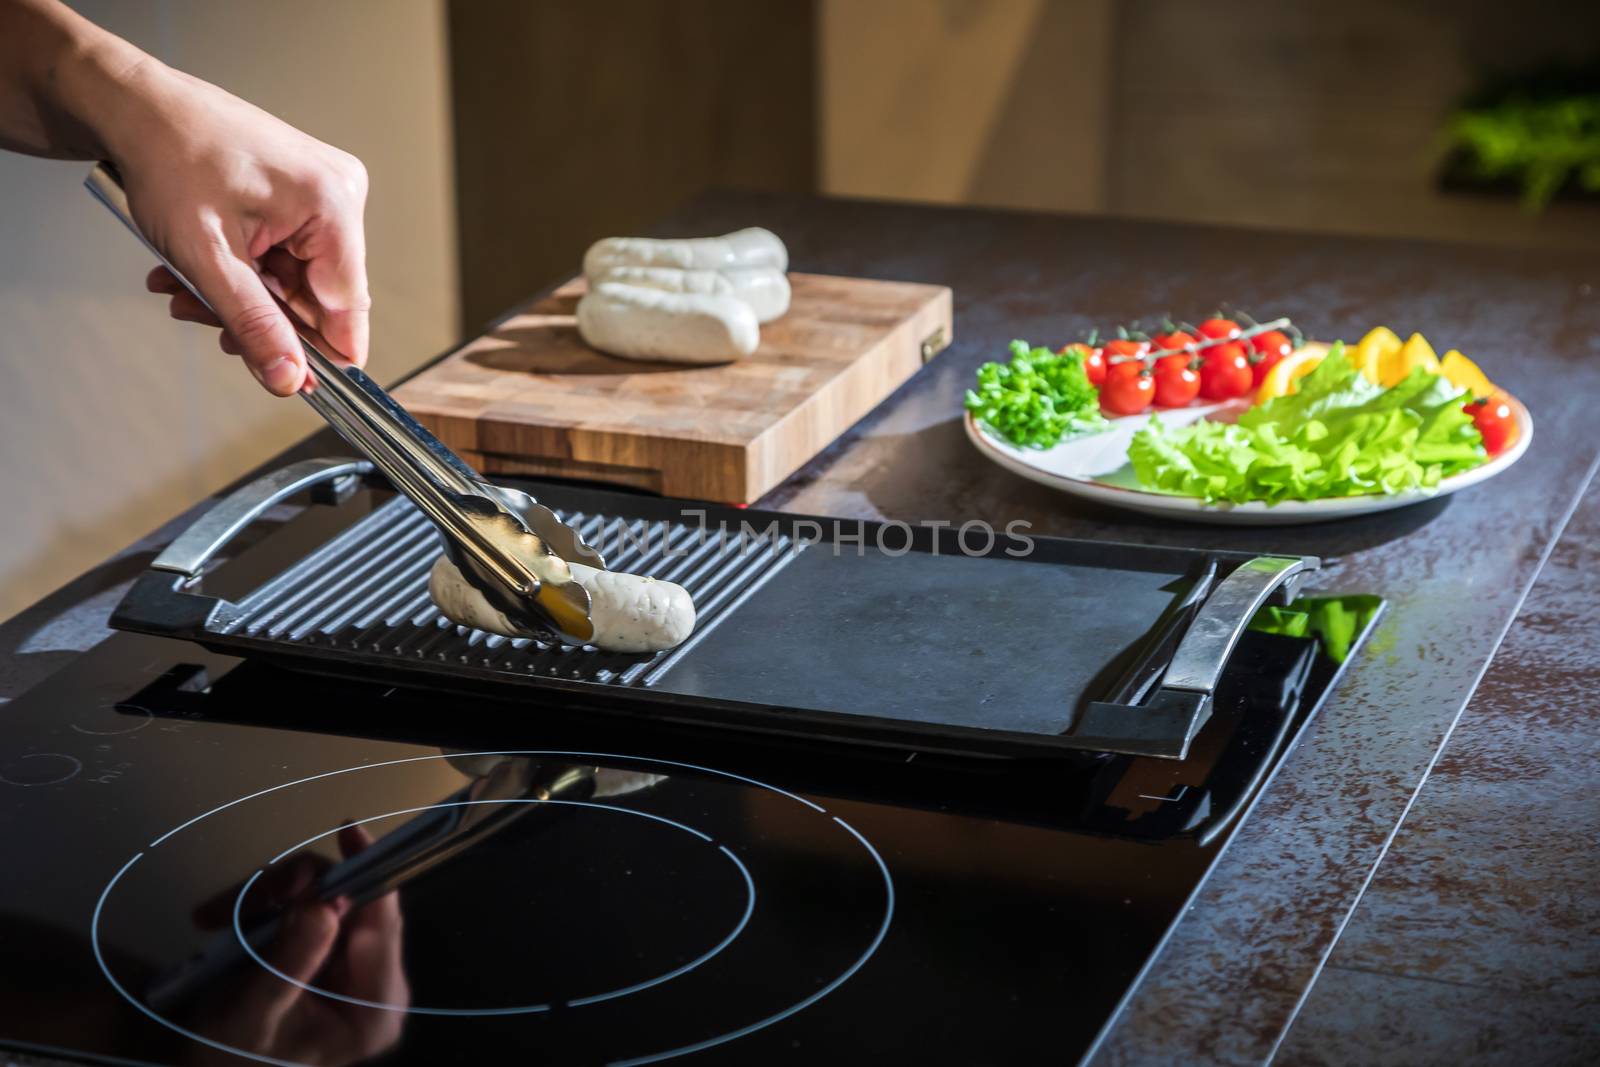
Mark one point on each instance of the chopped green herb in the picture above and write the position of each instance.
(1036, 398)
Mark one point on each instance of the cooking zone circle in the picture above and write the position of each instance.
(683, 962)
(743, 872)
(39, 768)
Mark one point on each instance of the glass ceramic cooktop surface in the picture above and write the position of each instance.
(214, 862)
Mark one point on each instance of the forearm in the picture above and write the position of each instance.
(61, 77)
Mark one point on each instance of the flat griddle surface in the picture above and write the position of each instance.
(993, 642)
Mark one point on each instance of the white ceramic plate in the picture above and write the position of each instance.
(1096, 467)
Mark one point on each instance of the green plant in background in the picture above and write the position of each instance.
(1539, 129)
(1539, 143)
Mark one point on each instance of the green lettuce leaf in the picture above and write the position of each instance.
(1037, 398)
(1339, 435)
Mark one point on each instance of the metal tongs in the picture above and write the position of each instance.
(513, 549)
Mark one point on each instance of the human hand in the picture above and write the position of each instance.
(248, 208)
(244, 205)
(349, 952)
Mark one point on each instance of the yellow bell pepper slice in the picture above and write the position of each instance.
(1416, 352)
(1462, 373)
(1368, 355)
(1281, 379)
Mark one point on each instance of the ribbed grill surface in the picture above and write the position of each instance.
(366, 591)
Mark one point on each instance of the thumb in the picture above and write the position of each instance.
(248, 312)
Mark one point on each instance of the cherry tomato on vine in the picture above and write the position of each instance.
(1220, 329)
(1270, 349)
(1272, 343)
(1094, 361)
(1262, 364)
(1129, 388)
(1225, 372)
(1124, 349)
(1495, 421)
(1175, 340)
(1177, 383)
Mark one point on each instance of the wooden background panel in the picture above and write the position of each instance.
(575, 121)
(994, 102)
(1322, 116)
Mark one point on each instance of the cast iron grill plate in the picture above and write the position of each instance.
(366, 592)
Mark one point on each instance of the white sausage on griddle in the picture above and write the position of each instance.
(765, 289)
(753, 247)
(640, 323)
(630, 612)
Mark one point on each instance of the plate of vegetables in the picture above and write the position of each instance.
(1239, 421)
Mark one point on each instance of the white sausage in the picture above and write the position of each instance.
(641, 323)
(765, 289)
(753, 247)
(630, 613)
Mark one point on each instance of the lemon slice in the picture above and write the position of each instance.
(1369, 354)
(1462, 373)
(1280, 380)
(1416, 352)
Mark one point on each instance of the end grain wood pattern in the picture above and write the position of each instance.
(530, 397)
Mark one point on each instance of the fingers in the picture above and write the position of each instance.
(305, 939)
(258, 327)
(353, 838)
(160, 280)
(285, 275)
(186, 308)
(372, 940)
(380, 916)
(335, 255)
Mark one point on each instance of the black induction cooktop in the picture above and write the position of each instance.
(220, 861)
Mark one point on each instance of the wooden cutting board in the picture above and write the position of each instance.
(530, 397)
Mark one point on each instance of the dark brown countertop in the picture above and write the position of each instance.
(1241, 962)
(1478, 940)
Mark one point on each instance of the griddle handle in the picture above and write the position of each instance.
(1166, 722)
(1198, 663)
(191, 550)
(158, 602)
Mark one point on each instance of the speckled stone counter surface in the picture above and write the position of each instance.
(1478, 940)
(1239, 966)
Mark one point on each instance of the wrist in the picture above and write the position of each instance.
(107, 86)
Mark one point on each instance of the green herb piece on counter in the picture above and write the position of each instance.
(1037, 398)
(1339, 435)
(1336, 620)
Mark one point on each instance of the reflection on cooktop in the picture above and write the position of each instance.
(593, 891)
(227, 863)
